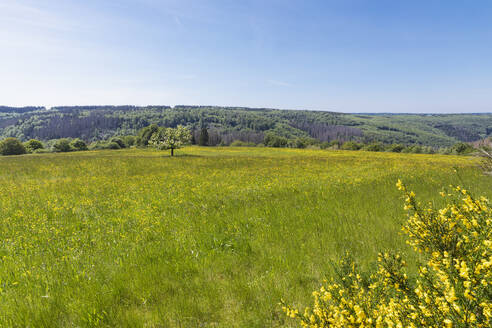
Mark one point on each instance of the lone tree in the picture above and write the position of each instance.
(487, 161)
(169, 138)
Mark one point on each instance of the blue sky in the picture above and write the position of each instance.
(347, 55)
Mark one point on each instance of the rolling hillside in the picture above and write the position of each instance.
(227, 124)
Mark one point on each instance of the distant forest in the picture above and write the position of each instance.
(228, 124)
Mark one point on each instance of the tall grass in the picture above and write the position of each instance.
(212, 237)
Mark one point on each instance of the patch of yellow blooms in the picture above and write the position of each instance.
(453, 287)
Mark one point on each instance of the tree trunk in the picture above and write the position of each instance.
(172, 151)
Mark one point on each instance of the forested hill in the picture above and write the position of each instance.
(226, 124)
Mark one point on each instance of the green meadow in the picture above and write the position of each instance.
(214, 237)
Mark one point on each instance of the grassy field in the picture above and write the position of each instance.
(213, 237)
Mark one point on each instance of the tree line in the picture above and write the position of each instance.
(175, 138)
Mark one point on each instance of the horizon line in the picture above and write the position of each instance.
(249, 107)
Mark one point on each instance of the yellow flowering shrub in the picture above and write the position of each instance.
(453, 287)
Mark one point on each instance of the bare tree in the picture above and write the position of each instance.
(486, 162)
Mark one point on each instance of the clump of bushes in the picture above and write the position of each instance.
(100, 145)
(118, 143)
(272, 140)
(453, 287)
(302, 142)
(352, 145)
(62, 146)
(96, 145)
(276, 141)
(12, 146)
(113, 145)
(129, 141)
(33, 145)
(42, 151)
(458, 149)
(462, 148)
(376, 146)
(78, 145)
(396, 148)
(145, 134)
(239, 143)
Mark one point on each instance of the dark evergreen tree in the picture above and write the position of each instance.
(193, 140)
(203, 140)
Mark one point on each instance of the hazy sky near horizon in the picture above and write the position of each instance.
(346, 55)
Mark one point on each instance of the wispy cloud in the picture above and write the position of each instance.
(279, 83)
(178, 21)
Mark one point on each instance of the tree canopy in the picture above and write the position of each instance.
(170, 138)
